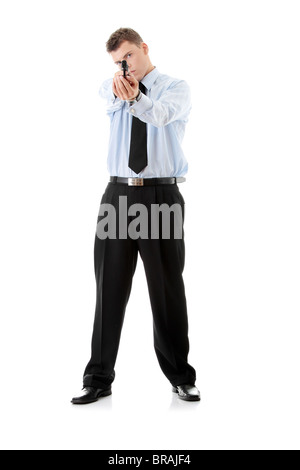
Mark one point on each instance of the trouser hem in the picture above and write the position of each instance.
(190, 380)
(96, 383)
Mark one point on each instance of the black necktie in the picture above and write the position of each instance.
(138, 144)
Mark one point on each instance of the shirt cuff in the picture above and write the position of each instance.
(143, 105)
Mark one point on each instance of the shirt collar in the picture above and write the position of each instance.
(150, 78)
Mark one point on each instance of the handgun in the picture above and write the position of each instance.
(124, 67)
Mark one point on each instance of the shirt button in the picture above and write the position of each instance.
(132, 111)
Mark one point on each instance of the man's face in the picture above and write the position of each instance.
(136, 58)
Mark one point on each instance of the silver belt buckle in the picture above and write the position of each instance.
(135, 182)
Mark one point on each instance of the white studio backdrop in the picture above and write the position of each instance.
(241, 59)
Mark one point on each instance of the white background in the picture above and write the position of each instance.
(241, 59)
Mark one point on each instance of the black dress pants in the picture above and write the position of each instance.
(115, 263)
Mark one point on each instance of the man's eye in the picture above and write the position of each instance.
(128, 55)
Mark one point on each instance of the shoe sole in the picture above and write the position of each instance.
(106, 393)
(185, 398)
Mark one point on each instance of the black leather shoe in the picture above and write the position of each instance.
(90, 394)
(187, 392)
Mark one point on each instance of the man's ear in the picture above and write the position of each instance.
(145, 48)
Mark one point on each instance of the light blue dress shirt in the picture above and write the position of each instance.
(165, 108)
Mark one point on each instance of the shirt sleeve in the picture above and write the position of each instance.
(174, 104)
(113, 103)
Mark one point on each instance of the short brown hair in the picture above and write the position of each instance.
(121, 35)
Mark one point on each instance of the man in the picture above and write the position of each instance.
(148, 111)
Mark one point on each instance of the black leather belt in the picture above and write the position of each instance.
(146, 181)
